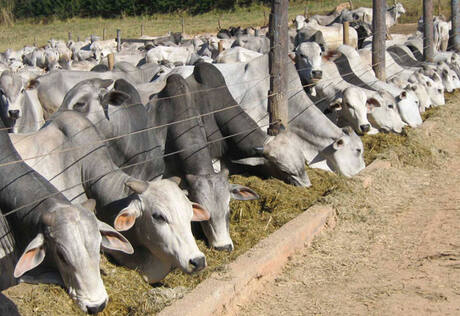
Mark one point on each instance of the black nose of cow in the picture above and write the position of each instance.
(228, 247)
(96, 309)
(365, 128)
(198, 263)
(14, 114)
(317, 74)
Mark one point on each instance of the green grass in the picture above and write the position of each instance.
(26, 32)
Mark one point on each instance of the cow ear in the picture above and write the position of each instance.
(114, 97)
(126, 219)
(338, 144)
(371, 104)
(242, 193)
(336, 105)
(113, 240)
(436, 77)
(347, 130)
(34, 83)
(32, 256)
(428, 84)
(102, 83)
(199, 213)
(176, 180)
(251, 161)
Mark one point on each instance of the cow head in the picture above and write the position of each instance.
(422, 95)
(281, 157)
(71, 237)
(159, 215)
(308, 62)
(217, 228)
(408, 107)
(346, 154)
(12, 94)
(354, 109)
(383, 113)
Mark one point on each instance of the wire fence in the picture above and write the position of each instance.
(365, 69)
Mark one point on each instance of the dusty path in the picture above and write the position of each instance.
(395, 249)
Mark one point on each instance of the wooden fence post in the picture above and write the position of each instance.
(305, 12)
(455, 32)
(439, 8)
(35, 41)
(70, 36)
(103, 34)
(142, 29)
(220, 46)
(78, 38)
(110, 60)
(346, 33)
(428, 49)
(218, 24)
(183, 24)
(277, 100)
(378, 42)
(118, 40)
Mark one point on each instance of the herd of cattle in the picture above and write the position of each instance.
(124, 160)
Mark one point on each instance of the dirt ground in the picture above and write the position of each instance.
(396, 247)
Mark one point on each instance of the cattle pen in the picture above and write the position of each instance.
(278, 203)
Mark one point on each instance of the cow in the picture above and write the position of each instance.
(54, 85)
(237, 55)
(84, 169)
(56, 241)
(20, 108)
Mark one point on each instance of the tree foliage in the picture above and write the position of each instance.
(112, 8)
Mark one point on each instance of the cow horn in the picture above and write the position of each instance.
(137, 186)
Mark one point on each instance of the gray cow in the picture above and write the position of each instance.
(53, 235)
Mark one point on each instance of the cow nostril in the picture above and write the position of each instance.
(365, 128)
(14, 114)
(228, 247)
(198, 263)
(96, 309)
(318, 74)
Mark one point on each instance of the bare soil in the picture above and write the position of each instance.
(396, 247)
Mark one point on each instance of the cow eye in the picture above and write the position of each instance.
(159, 218)
(439, 90)
(359, 150)
(79, 106)
(390, 106)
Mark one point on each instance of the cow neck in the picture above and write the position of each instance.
(104, 182)
(185, 141)
(20, 185)
(230, 120)
(140, 151)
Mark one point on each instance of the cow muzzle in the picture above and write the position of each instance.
(94, 309)
(198, 263)
(13, 114)
(365, 128)
(317, 74)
